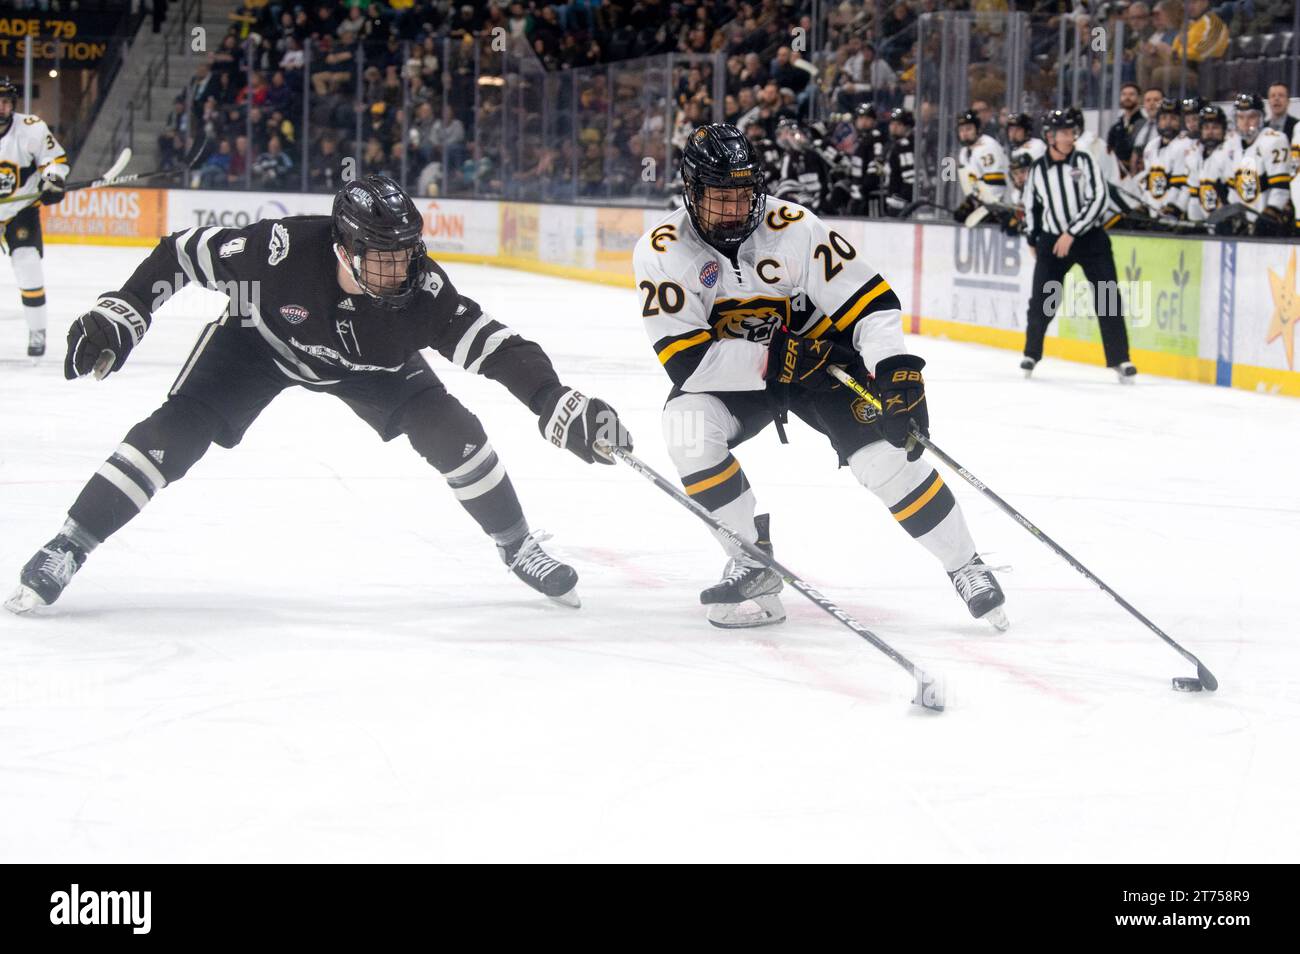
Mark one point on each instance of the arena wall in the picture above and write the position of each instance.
(1216, 311)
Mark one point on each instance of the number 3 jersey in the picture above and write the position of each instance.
(27, 148)
(710, 319)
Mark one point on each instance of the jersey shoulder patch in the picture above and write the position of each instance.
(279, 244)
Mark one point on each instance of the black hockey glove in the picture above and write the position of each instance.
(101, 339)
(901, 390)
(804, 361)
(571, 420)
(968, 205)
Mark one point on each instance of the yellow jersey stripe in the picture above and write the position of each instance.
(716, 479)
(920, 501)
(682, 345)
(852, 314)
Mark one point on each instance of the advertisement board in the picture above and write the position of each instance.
(107, 216)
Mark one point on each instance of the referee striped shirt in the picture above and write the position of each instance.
(1065, 196)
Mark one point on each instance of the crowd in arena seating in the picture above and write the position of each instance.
(556, 100)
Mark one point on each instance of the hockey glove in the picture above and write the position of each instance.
(101, 339)
(52, 185)
(804, 361)
(571, 420)
(968, 205)
(901, 390)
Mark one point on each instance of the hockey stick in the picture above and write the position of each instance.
(1204, 678)
(113, 177)
(929, 689)
(110, 174)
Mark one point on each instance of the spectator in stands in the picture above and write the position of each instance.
(216, 167)
(1156, 52)
(272, 168)
(1204, 38)
(325, 171)
(1279, 101)
(240, 160)
(171, 142)
(1137, 30)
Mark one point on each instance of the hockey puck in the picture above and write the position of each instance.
(1187, 684)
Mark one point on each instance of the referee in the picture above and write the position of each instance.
(1065, 212)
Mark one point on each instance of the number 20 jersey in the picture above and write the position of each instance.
(710, 319)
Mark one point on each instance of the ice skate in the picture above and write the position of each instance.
(46, 575)
(35, 344)
(1126, 371)
(547, 575)
(979, 589)
(746, 594)
(1027, 365)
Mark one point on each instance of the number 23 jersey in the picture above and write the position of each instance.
(710, 319)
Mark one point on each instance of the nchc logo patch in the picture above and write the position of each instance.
(294, 314)
(709, 274)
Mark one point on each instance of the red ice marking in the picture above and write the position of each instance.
(619, 561)
(1019, 675)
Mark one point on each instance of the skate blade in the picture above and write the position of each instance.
(760, 611)
(997, 618)
(569, 599)
(1126, 381)
(24, 600)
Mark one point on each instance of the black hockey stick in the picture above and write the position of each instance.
(1204, 678)
(929, 689)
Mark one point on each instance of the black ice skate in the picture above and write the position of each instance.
(977, 586)
(1027, 365)
(1126, 371)
(35, 344)
(746, 594)
(548, 576)
(46, 574)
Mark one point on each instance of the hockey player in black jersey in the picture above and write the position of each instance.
(339, 304)
(868, 161)
(802, 174)
(900, 168)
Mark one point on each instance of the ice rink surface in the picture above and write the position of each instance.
(306, 650)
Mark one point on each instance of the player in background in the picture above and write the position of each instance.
(340, 304)
(802, 174)
(868, 162)
(31, 163)
(1211, 165)
(900, 163)
(1261, 177)
(746, 301)
(1020, 135)
(981, 166)
(1164, 170)
(769, 153)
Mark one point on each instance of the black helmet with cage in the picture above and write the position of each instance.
(1024, 123)
(9, 94)
(374, 215)
(793, 136)
(1208, 117)
(717, 158)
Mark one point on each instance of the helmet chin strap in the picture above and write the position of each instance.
(353, 266)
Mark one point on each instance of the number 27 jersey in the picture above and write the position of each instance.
(710, 319)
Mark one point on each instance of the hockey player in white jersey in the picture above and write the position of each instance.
(1261, 178)
(747, 300)
(982, 166)
(1211, 164)
(1164, 166)
(31, 163)
(1020, 135)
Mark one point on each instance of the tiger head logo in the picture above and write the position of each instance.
(1247, 185)
(1157, 182)
(8, 178)
(1209, 198)
(750, 322)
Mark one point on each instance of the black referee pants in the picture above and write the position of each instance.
(1092, 252)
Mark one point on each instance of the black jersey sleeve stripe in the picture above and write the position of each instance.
(479, 341)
